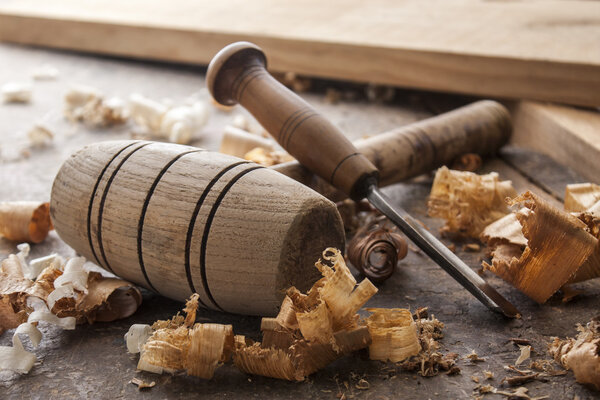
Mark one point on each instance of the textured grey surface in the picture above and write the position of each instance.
(92, 362)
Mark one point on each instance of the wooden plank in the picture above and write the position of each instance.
(542, 170)
(512, 49)
(568, 135)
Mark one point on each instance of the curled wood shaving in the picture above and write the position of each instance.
(313, 329)
(393, 334)
(375, 250)
(467, 201)
(339, 290)
(301, 358)
(559, 251)
(25, 221)
(180, 344)
(581, 354)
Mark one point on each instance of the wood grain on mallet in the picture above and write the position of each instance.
(514, 49)
(179, 220)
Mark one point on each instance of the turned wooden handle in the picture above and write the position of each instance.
(418, 148)
(237, 74)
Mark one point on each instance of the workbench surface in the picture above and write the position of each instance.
(92, 361)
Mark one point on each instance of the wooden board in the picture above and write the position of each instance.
(517, 49)
(568, 135)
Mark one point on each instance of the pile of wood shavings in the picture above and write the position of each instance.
(52, 290)
(310, 331)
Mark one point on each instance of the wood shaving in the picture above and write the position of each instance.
(467, 201)
(559, 251)
(25, 221)
(142, 384)
(471, 247)
(313, 329)
(305, 336)
(375, 251)
(39, 136)
(393, 333)
(467, 162)
(506, 230)
(581, 354)
(525, 354)
(17, 92)
(488, 375)
(45, 72)
(87, 105)
(520, 341)
(267, 157)
(580, 197)
(197, 349)
(474, 357)
(297, 83)
(238, 142)
(519, 380)
(512, 368)
(177, 124)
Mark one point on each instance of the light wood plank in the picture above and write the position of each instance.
(570, 136)
(517, 49)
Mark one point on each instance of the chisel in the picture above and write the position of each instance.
(237, 74)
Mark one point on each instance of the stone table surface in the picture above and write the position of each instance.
(91, 361)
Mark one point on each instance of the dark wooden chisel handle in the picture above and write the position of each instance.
(237, 74)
